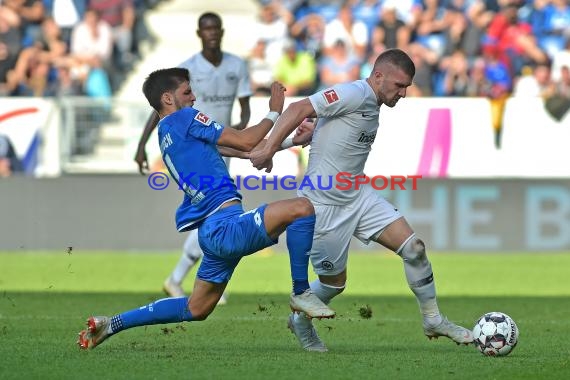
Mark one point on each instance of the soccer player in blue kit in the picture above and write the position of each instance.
(189, 142)
(218, 79)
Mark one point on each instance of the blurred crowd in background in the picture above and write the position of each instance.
(477, 48)
(481, 48)
(69, 47)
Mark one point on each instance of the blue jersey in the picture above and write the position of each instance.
(188, 143)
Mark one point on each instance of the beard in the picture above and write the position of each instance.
(179, 105)
(393, 102)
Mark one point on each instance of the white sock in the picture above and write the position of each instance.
(190, 256)
(419, 275)
(428, 304)
(302, 319)
(325, 292)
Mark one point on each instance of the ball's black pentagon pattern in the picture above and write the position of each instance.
(496, 334)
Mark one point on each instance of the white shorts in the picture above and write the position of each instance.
(366, 216)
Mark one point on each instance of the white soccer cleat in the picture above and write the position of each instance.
(305, 332)
(458, 334)
(172, 289)
(311, 305)
(95, 334)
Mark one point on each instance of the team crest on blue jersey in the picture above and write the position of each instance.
(203, 118)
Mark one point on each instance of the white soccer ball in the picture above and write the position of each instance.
(495, 334)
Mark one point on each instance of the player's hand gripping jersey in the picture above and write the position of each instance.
(347, 125)
(190, 153)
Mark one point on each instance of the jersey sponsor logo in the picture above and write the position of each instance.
(217, 126)
(217, 98)
(203, 118)
(331, 96)
(367, 138)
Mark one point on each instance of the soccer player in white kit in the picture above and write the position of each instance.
(346, 128)
(217, 79)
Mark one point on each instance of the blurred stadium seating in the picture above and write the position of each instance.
(98, 133)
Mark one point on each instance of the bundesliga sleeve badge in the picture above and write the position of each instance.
(203, 118)
(331, 96)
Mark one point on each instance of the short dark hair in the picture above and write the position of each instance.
(209, 15)
(164, 80)
(399, 59)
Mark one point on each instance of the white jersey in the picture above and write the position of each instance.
(216, 88)
(348, 121)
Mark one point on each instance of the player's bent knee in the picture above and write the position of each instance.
(413, 250)
(302, 207)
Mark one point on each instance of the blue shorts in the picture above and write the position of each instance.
(227, 236)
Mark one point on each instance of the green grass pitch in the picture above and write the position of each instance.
(45, 298)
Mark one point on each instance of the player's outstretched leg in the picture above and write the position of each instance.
(420, 279)
(166, 310)
(299, 243)
(303, 328)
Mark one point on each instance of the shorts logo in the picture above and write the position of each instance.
(327, 265)
(331, 96)
(256, 216)
(203, 118)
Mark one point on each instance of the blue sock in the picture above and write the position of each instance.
(166, 310)
(299, 243)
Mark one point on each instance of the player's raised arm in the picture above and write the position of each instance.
(291, 119)
(302, 137)
(140, 156)
(247, 139)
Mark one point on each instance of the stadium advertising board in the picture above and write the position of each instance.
(26, 122)
(454, 138)
(460, 215)
(488, 215)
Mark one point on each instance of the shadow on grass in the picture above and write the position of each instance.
(248, 338)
